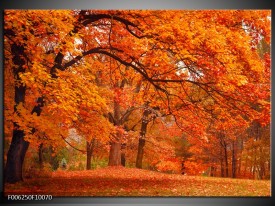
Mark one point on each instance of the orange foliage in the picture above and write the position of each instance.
(199, 67)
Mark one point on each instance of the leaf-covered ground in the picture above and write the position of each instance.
(119, 181)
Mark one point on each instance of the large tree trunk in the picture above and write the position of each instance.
(15, 158)
(115, 149)
(115, 154)
(18, 147)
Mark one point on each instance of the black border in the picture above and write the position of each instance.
(131, 4)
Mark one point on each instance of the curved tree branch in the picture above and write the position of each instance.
(80, 150)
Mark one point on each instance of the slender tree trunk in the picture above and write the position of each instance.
(268, 168)
(222, 155)
(262, 171)
(182, 167)
(226, 161)
(222, 167)
(261, 164)
(212, 171)
(89, 151)
(53, 159)
(89, 156)
(40, 155)
(234, 169)
(141, 142)
(123, 159)
(240, 157)
(239, 166)
(123, 156)
(245, 166)
(225, 155)
(254, 165)
(89, 160)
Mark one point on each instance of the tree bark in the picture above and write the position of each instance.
(222, 166)
(234, 168)
(212, 171)
(223, 154)
(141, 142)
(15, 159)
(226, 160)
(18, 148)
(240, 157)
(182, 167)
(40, 155)
(115, 149)
(123, 159)
(115, 154)
(123, 156)
(89, 150)
(89, 160)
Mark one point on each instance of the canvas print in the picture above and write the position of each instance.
(137, 103)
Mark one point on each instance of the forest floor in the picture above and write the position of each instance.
(120, 181)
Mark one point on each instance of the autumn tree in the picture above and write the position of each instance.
(174, 53)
